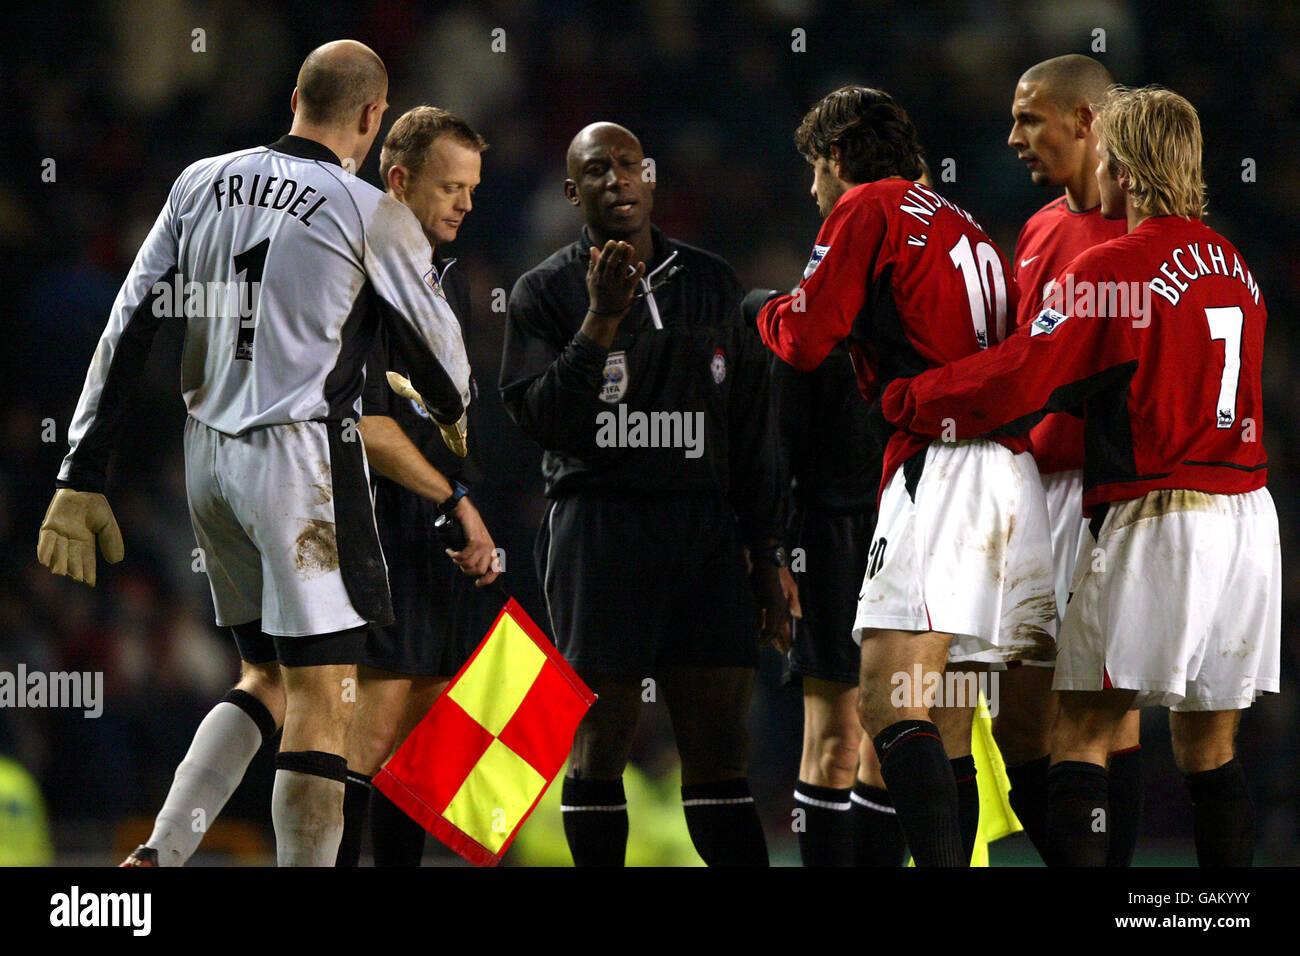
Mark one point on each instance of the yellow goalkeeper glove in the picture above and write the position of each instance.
(455, 435)
(73, 523)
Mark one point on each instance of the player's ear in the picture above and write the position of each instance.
(397, 181)
(833, 160)
(571, 192)
(293, 101)
(1082, 121)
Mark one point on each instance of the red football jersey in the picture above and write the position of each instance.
(1172, 393)
(912, 282)
(1051, 238)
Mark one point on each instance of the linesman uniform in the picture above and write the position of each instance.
(438, 613)
(285, 266)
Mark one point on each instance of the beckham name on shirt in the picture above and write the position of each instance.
(1193, 263)
(230, 189)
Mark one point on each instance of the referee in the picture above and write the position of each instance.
(430, 161)
(641, 551)
(272, 374)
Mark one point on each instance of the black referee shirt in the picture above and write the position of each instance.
(556, 382)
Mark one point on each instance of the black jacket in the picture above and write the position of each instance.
(703, 360)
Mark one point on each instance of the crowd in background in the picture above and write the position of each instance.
(109, 102)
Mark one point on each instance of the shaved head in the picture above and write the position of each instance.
(337, 80)
(597, 137)
(1070, 81)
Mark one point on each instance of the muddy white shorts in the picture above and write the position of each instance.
(1182, 602)
(1069, 529)
(284, 519)
(962, 548)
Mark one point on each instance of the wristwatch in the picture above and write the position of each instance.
(458, 491)
(775, 555)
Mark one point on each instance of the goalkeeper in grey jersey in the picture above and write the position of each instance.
(284, 266)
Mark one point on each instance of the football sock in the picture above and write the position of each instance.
(1078, 812)
(1223, 816)
(356, 801)
(1125, 805)
(877, 836)
(397, 839)
(968, 801)
(723, 823)
(920, 780)
(307, 807)
(826, 832)
(1028, 799)
(224, 745)
(595, 821)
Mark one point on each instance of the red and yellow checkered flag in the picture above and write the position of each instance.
(473, 770)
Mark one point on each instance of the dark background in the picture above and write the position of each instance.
(115, 95)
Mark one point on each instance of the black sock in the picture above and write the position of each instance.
(595, 821)
(1223, 816)
(1125, 805)
(1028, 798)
(968, 801)
(1078, 824)
(397, 839)
(919, 778)
(723, 823)
(877, 836)
(356, 800)
(826, 836)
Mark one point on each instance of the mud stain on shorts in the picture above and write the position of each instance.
(1163, 501)
(316, 551)
(324, 487)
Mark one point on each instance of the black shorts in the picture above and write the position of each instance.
(439, 615)
(311, 650)
(637, 585)
(835, 546)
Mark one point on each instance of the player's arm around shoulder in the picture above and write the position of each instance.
(397, 260)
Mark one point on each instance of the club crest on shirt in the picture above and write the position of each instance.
(435, 283)
(718, 366)
(1048, 321)
(818, 253)
(613, 381)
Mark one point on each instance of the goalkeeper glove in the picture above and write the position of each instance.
(454, 435)
(73, 523)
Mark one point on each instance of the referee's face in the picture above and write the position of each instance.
(611, 183)
(441, 193)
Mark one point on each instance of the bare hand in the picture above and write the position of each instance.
(790, 588)
(612, 279)
(478, 558)
(773, 608)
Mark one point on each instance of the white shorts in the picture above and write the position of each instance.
(1069, 529)
(1182, 602)
(279, 541)
(968, 556)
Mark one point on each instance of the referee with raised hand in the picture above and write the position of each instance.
(641, 552)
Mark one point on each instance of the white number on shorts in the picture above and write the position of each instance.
(986, 287)
(1225, 324)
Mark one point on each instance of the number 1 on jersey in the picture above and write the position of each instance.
(1225, 324)
(250, 262)
(979, 267)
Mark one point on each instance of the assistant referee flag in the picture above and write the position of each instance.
(478, 763)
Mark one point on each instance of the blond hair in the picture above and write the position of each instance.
(1156, 135)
